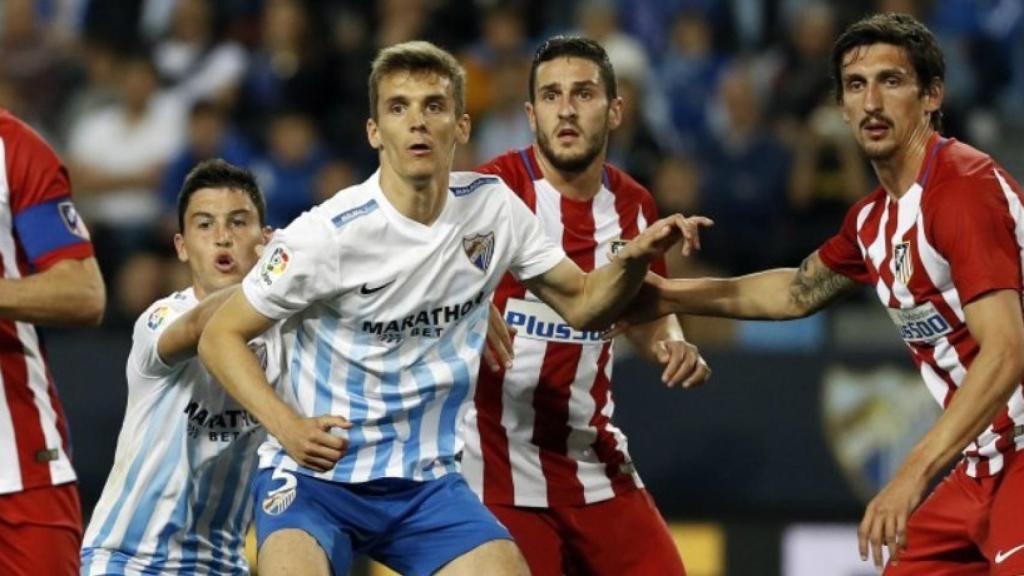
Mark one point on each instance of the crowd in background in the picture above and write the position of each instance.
(729, 106)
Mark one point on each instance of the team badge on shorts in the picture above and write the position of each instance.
(902, 262)
(279, 499)
(71, 220)
(479, 249)
(157, 317)
(275, 265)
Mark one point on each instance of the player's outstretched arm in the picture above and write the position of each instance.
(69, 293)
(180, 340)
(995, 322)
(592, 301)
(223, 349)
(779, 294)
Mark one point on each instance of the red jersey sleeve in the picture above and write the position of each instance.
(841, 253)
(972, 227)
(44, 217)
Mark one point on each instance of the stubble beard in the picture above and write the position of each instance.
(574, 163)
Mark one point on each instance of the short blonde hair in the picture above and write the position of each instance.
(417, 56)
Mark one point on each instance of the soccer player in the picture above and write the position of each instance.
(541, 450)
(177, 499)
(941, 241)
(49, 277)
(385, 289)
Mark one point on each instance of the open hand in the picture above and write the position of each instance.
(663, 234)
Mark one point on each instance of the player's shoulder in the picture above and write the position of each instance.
(960, 168)
(346, 206)
(467, 184)
(624, 186)
(16, 134)
(163, 311)
(507, 163)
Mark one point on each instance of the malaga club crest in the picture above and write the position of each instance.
(479, 249)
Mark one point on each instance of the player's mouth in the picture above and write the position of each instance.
(567, 135)
(876, 129)
(224, 263)
(420, 149)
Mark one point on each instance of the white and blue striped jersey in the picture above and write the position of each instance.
(178, 496)
(388, 318)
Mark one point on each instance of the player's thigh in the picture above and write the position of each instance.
(537, 535)
(292, 552)
(28, 550)
(939, 541)
(443, 521)
(497, 557)
(623, 535)
(293, 530)
(1005, 544)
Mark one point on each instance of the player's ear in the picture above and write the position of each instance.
(180, 248)
(463, 126)
(615, 113)
(268, 233)
(531, 116)
(933, 96)
(372, 134)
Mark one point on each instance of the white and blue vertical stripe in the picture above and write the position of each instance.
(406, 404)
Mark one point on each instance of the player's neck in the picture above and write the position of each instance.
(421, 199)
(580, 186)
(899, 172)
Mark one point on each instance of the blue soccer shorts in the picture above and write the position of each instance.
(410, 526)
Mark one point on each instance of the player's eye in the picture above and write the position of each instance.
(893, 81)
(549, 96)
(397, 108)
(854, 85)
(239, 222)
(435, 107)
(204, 225)
(585, 94)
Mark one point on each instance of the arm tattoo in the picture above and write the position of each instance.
(816, 285)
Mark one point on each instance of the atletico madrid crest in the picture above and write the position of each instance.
(902, 262)
(479, 249)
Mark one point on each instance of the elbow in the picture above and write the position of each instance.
(91, 306)
(206, 346)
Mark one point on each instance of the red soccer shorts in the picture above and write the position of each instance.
(41, 532)
(968, 526)
(624, 535)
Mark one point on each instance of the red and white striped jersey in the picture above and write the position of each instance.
(955, 235)
(540, 434)
(38, 228)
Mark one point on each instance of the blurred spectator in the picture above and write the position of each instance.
(33, 62)
(745, 179)
(632, 145)
(117, 154)
(288, 172)
(804, 80)
(829, 175)
(98, 89)
(689, 74)
(210, 135)
(503, 41)
(292, 68)
(505, 126)
(194, 60)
